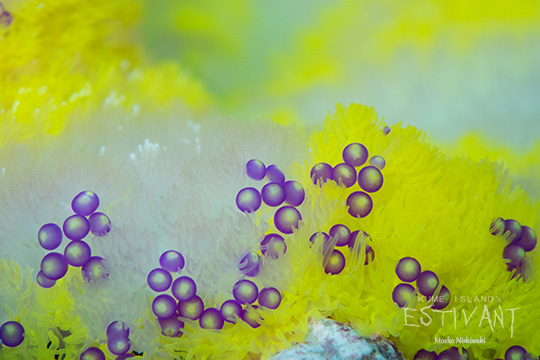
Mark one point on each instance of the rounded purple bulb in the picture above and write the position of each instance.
(76, 227)
(427, 283)
(164, 306)
(211, 319)
(184, 288)
(513, 255)
(191, 309)
(370, 179)
(336, 263)
(92, 353)
(44, 281)
(100, 224)
(94, 269)
(408, 269)
(386, 130)
(50, 236)
(117, 329)
(321, 173)
(450, 354)
(85, 203)
(231, 310)
(273, 194)
(54, 266)
(402, 294)
(250, 264)
(274, 174)
(270, 298)
(344, 174)
(171, 327)
(515, 352)
(286, 219)
(319, 236)
(355, 154)
(443, 299)
(378, 162)
(159, 280)
(273, 246)
(172, 260)
(256, 169)
(118, 345)
(294, 193)
(245, 292)
(11, 334)
(516, 231)
(248, 200)
(250, 317)
(425, 355)
(342, 233)
(360, 204)
(497, 226)
(77, 253)
(528, 239)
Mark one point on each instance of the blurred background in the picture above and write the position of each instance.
(450, 68)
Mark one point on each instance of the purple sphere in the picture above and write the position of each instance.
(286, 219)
(294, 193)
(378, 162)
(164, 306)
(370, 253)
(251, 318)
(92, 353)
(11, 334)
(273, 194)
(360, 204)
(50, 236)
(100, 224)
(76, 227)
(425, 355)
(172, 260)
(319, 236)
(191, 309)
(402, 294)
(231, 310)
(516, 231)
(159, 280)
(256, 169)
(117, 329)
(250, 264)
(270, 298)
(77, 253)
(273, 246)
(515, 352)
(54, 266)
(211, 319)
(321, 173)
(427, 283)
(44, 281)
(275, 175)
(450, 354)
(171, 327)
(85, 203)
(386, 130)
(443, 299)
(336, 263)
(355, 154)
(344, 174)
(118, 345)
(245, 292)
(370, 179)
(497, 226)
(513, 255)
(342, 233)
(528, 239)
(408, 269)
(248, 200)
(94, 269)
(184, 288)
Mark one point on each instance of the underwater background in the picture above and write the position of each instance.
(184, 179)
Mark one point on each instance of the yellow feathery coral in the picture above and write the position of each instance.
(63, 57)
